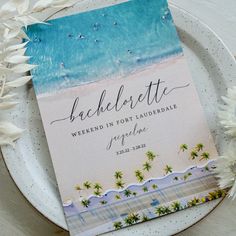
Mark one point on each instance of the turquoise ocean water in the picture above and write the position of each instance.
(100, 44)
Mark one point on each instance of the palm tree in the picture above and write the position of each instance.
(187, 175)
(176, 178)
(97, 186)
(147, 166)
(154, 186)
(176, 206)
(134, 217)
(118, 175)
(168, 169)
(103, 202)
(144, 218)
(183, 147)
(193, 202)
(145, 189)
(160, 210)
(87, 185)
(193, 155)
(97, 192)
(120, 184)
(117, 197)
(128, 221)
(138, 172)
(212, 196)
(78, 188)
(127, 193)
(117, 225)
(167, 210)
(205, 156)
(134, 194)
(220, 193)
(85, 203)
(150, 155)
(199, 147)
(140, 178)
(139, 175)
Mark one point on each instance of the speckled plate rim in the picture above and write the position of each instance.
(60, 221)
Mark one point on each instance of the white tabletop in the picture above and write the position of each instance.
(19, 218)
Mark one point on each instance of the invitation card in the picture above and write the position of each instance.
(125, 128)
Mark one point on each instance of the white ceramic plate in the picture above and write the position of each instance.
(213, 69)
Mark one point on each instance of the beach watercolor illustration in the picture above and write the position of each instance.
(125, 128)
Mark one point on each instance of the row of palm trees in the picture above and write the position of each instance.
(163, 210)
(140, 173)
(127, 193)
(134, 218)
(216, 194)
(175, 206)
(211, 196)
(87, 185)
(196, 152)
(97, 190)
(147, 166)
(119, 182)
(131, 219)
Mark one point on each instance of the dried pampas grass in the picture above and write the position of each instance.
(14, 16)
